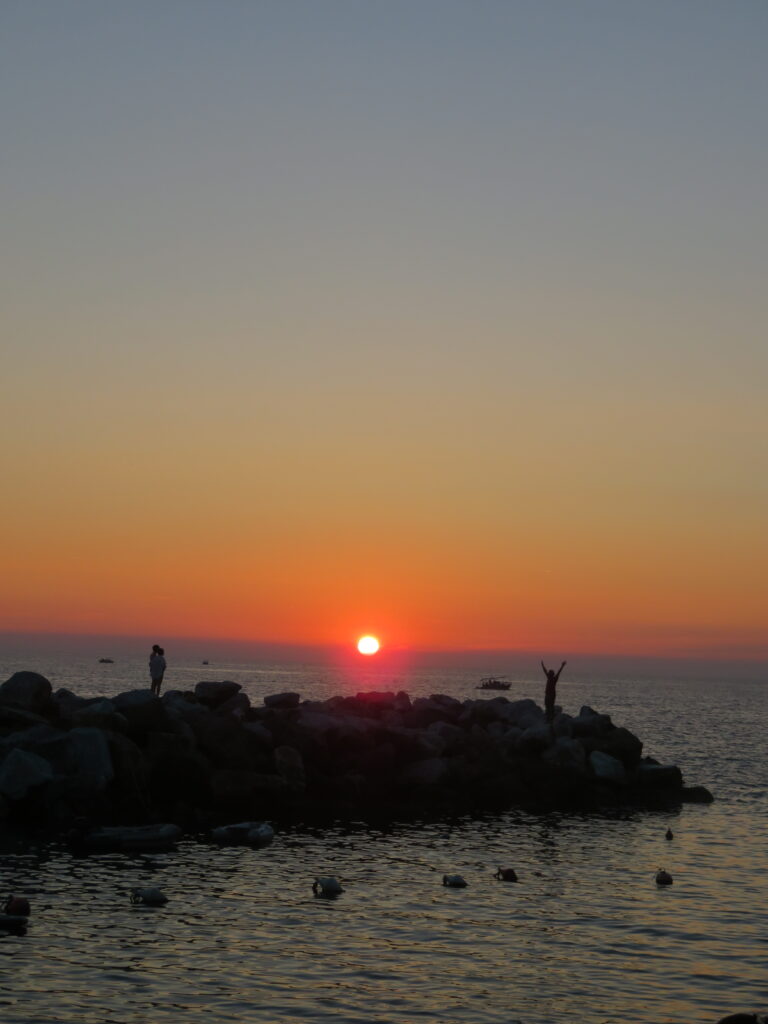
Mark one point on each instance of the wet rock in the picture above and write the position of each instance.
(654, 777)
(696, 795)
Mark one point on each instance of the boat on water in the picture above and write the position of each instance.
(106, 661)
(493, 683)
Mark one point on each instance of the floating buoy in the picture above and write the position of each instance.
(149, 897)
(17, 906)
(669, 834)
(327, 886)
(454, 881)
(506, 874)
(663, 877)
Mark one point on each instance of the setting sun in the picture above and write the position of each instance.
(367, 645)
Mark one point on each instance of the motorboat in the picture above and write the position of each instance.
(493, 683)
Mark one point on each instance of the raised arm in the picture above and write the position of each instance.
(544, 667)
(560, 670)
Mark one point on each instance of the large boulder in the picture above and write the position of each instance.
(100, 714)
(568, 753)
(237, 789)
(289, 765)
(225, 742)
(212, 694)
(28, 690)
(238, 705)
(82, 753)
(619, 743)
(282, 701)
(144, 712)
(657, 777)
(696, 795)
(177, 770)
(33, 738)
(22, 771)
(534, 740)
(432, 771)
(590, 723)
(607, 768)
(130, 787)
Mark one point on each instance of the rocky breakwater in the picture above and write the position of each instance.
(208, 756)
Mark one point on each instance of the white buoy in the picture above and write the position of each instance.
(326, 886)
(149, 897)
(454, 881)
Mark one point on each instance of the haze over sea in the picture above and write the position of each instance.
(585, 936)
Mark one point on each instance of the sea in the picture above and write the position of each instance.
(585, 934)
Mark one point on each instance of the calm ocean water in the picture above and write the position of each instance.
(585, 936)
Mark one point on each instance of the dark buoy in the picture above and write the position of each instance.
(454, 881)
(327, 886)
(506, 874)
(17, 906)
(149, 897)
(669, 834)
(663, 877)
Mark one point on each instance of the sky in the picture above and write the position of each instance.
(442, 321)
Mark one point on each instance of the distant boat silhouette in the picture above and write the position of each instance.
(205, 662)
(106, 661)
(493, 683)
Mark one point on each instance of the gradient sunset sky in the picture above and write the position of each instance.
(443, 321)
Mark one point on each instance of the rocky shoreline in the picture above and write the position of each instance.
(207, 756)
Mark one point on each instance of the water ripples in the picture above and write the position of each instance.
(584, 935)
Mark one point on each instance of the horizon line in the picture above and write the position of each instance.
(389, 649)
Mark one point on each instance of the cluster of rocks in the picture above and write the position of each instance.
(207, 756)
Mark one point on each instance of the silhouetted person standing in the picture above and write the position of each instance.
(551, 689)
(157, 668)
